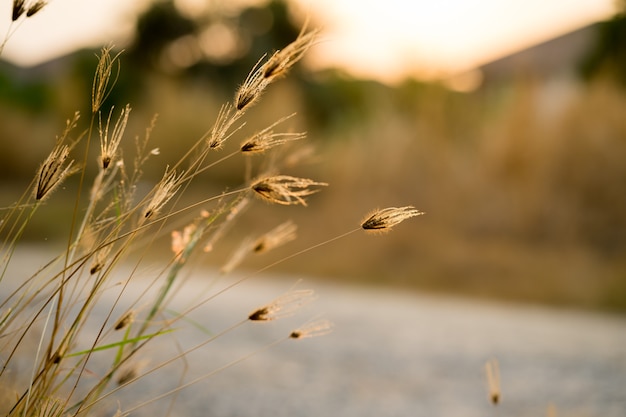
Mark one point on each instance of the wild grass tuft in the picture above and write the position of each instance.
(58, 317)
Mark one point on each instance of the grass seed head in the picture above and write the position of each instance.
(126, 319)
(275, 67)
(386, 218)
(312, 329)
(104, 70)
(266, 139)
(284, 189)
(283, 306)
(130, 371)
(100, 260)
(166, 189)
(53, 171)
(281, 61)
(219, 132)
(283, 233)
(19, 8)
(36, 7)
(109, 144)
(251, 90)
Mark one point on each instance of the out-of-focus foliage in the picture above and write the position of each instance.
(211, 45)
(608, 55)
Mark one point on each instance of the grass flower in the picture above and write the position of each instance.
(276, 237)
(36, 8)
(130, 371)
(125, 320)
(283, 233)
(53, 171)
(219, 132)
(312, 329)
(275, 67)
(281, 61)
(167, 188)
(100, 260)
(251, 89)
(109, 144)
(386, 218)
(285, 189)
(55, 168)
(267, 139)
(283, 306)
(19, 8)
(101, 87)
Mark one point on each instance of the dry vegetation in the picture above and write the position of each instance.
(525, 200)
(114, 216)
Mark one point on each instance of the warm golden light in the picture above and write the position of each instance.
(385, 40)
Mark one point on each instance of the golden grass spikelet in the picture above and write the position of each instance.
(276, 66)
(100, 89)
(100, 259)
(109, 144)
(125, 320)
(53, 171)
(19, 8)
(282, 60)
(283, 306)
(278, 236)
(267, 139)
(386, 218)
(312, 329)
(36, 7)
(130, 371)
(167, 188)
(492, 370)
(96, 267)
(251, 89)
(285, 189)
(223, 122)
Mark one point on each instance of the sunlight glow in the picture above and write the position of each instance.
(385, 40)
(394, 38)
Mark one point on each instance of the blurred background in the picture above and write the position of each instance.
(504, 122)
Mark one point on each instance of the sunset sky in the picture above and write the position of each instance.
(381, 39)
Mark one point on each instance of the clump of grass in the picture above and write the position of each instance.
(119, 225)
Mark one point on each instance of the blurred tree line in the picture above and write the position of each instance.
(607, 57)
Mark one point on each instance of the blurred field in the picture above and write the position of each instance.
(525, 200)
